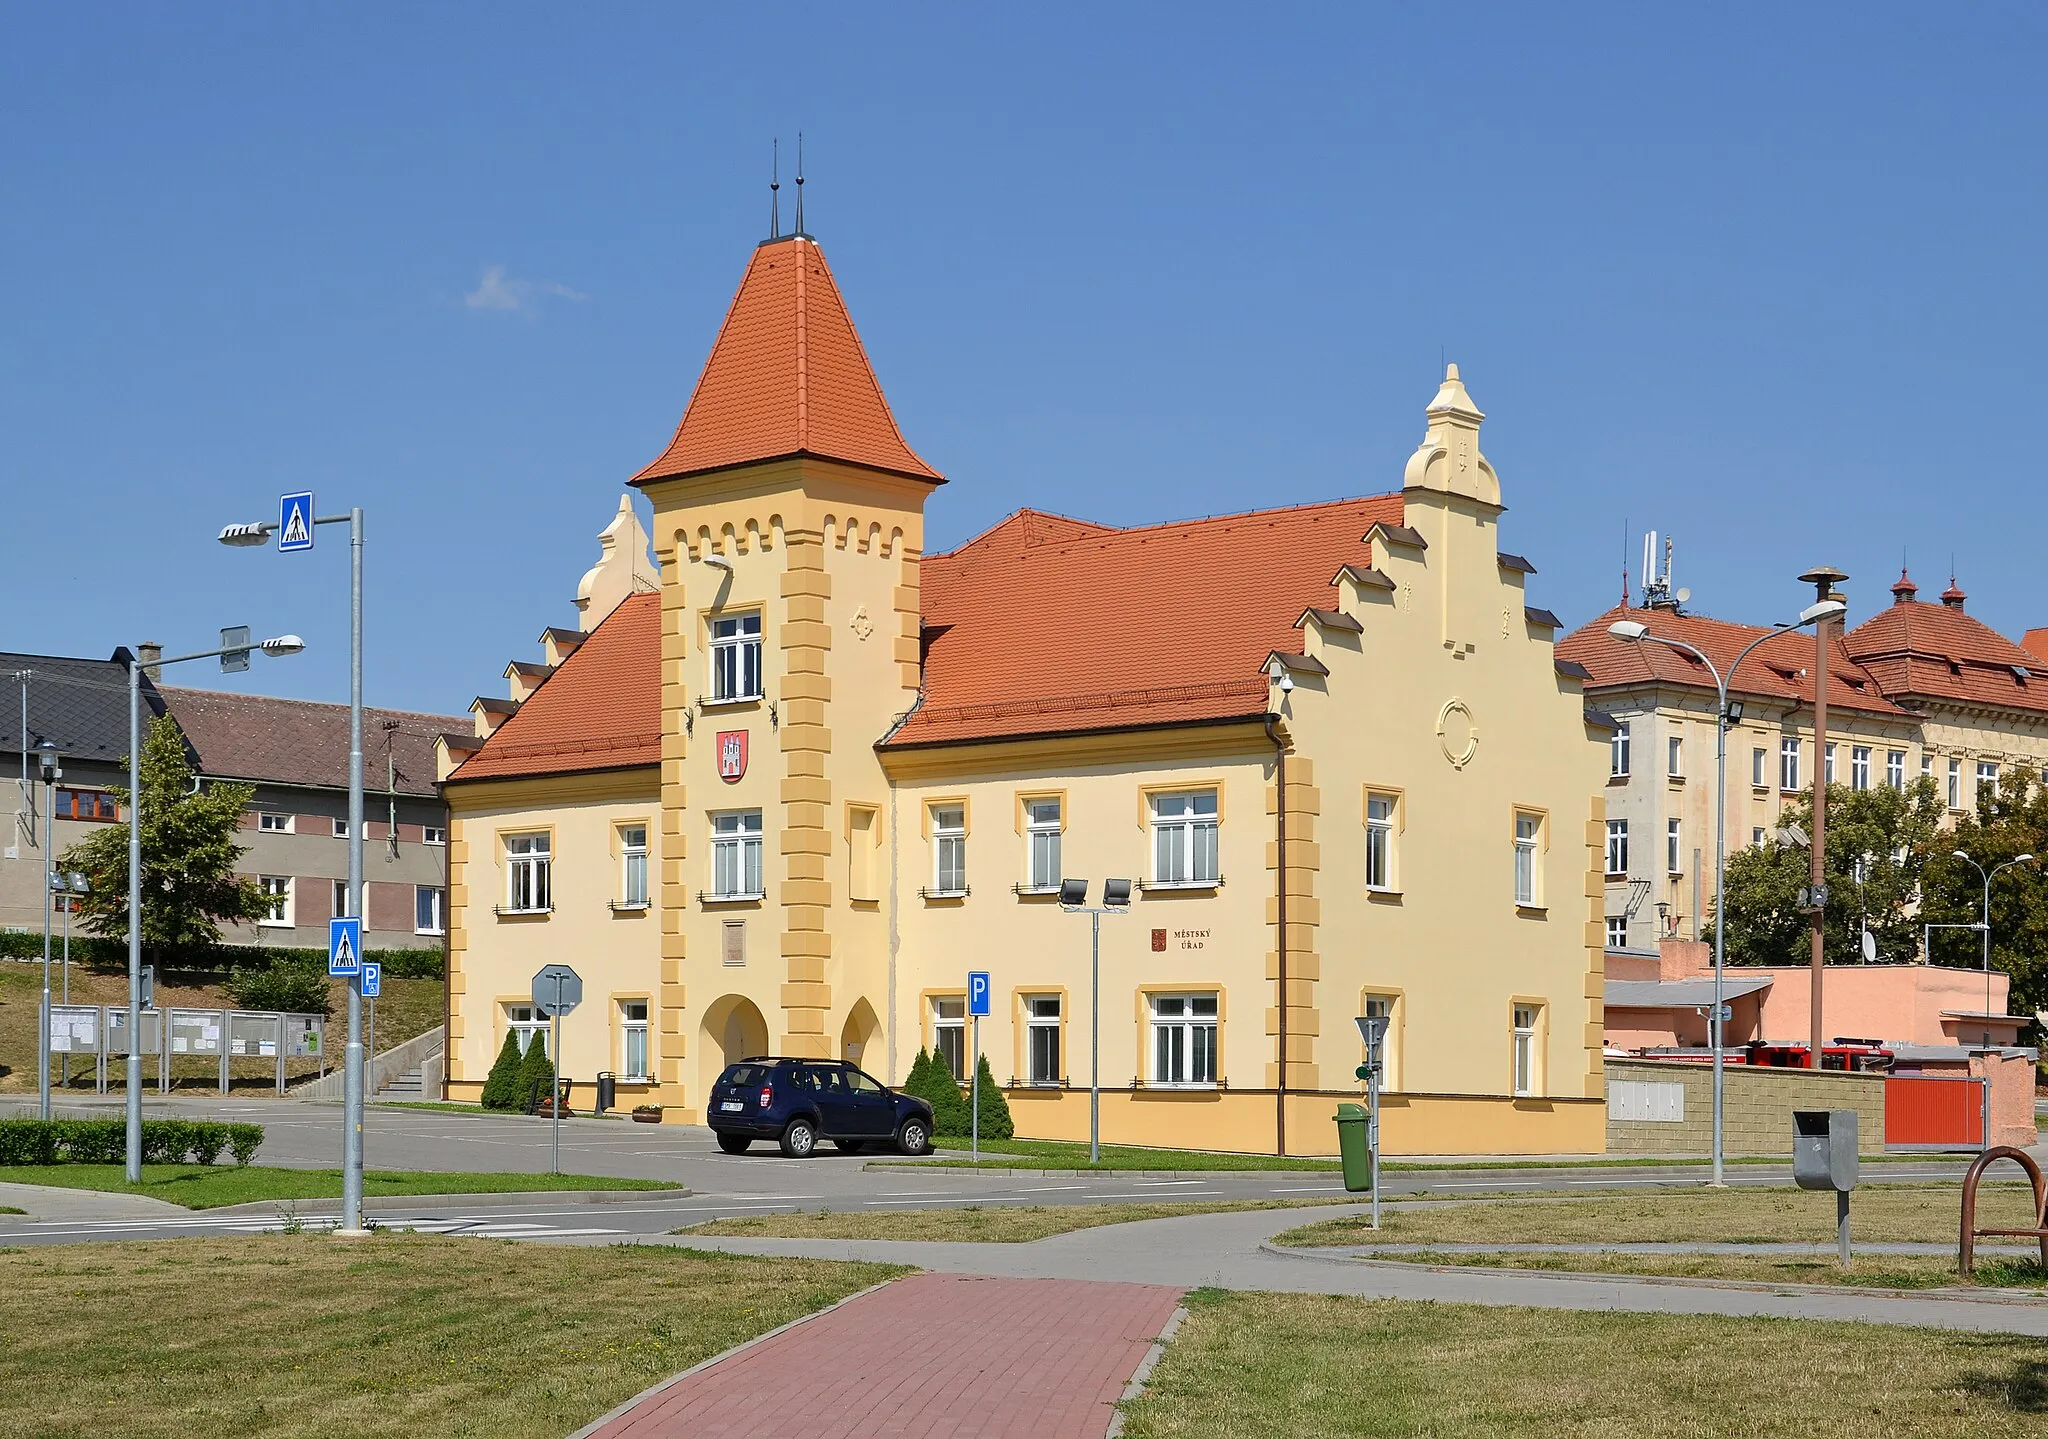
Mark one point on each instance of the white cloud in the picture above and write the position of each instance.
(495, 292)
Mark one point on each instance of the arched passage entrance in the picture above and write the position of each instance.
(859, 1039)
(733, 1030)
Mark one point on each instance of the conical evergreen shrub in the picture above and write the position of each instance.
(993, 1105)
(501, 1088)
(932, 1082)
(536, 1076)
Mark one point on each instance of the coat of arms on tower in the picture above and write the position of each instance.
(862, 625)
(732, 754)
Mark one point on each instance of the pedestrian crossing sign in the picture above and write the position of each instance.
(345, 946)
(295, 522)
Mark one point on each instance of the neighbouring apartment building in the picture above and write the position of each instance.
(780, 791)
(1916, 690)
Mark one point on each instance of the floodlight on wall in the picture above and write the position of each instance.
(717, 561)
(1116, 893)
(1074, 892)
(1735, 711)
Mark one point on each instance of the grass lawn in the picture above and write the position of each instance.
(1874, 1271)
(1280, 1366)
(401, 1335)
(199, 1186)
(971, 1224)
(1056, 1154)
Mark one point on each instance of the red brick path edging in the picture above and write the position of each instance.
(930, 1355)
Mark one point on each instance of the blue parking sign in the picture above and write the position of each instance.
(373, 978)
(345, 946)
(977, 993)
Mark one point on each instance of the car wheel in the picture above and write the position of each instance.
(847, 1146)
(734, 1143)
(915, 1137)
(800, 1139)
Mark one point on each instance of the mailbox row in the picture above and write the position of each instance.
(225, 1034)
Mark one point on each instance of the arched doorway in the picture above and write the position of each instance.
(860, 1040)
(733, 1030)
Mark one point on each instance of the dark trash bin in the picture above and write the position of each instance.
(607, 1090)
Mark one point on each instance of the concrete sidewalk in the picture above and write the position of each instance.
(50, 1201)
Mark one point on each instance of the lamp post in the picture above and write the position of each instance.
(353, 1060)
(46, 757)
(1636, 632)
(1116, 899)
(280, 646)
(1985, 926)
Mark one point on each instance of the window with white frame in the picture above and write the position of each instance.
(1618, 752)
(633, 1039)
(1672, 842)
(340, 905)
(1987, 780)
(736, 657)
(1528, 840)
(1042, 1039)
(1183, 1039)
(633, 866)
(1385, 1006)
(1674, 757)
(341, 829)
(274, 823)
(1756, 836)
(433, 834)
(949, 1033)
(429, 909)
(736, 855)
(1926, 766)
(529, 1024)
(1042, 837)
(1184, 838)
(529, 860)
(1828, 764)
(1955, 784)
(1528, 1073)
(1788, 763)
(1617, 846)
(949, 849)
(277, 899)
(1895, 769)
(1617, 931)
(1759, 767)
(1859, 766)
(1379, 841)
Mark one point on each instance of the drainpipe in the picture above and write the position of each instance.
(1280, 816)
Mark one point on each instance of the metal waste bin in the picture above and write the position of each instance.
(1354, 1143)
(607, 1090)
(1824, 1156)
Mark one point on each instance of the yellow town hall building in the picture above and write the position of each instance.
(781, 789)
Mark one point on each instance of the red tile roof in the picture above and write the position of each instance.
(600, 709)
(1047, 625)
(1938, 652)
(1780, 669)
(787, 376)
(303, 742)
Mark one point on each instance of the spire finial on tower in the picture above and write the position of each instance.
(800, 182)
(774, 192)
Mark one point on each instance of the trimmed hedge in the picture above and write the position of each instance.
(94, 949)
(105, 1141)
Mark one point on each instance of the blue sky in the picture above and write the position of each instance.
(1765, 278)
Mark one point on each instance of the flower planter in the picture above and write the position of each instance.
(647, 1116)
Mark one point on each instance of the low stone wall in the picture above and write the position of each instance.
(1760, 1103)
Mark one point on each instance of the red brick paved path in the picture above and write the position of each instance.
(927, 1356)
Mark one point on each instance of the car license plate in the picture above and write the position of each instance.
(732, 1106)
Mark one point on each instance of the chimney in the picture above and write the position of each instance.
(147, 654)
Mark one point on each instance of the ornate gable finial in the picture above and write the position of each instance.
(1448, 459)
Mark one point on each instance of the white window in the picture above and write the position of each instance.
(1859, 767)
(1042, 830)
(1184, 838)
(1617, 846)
(1674, 758)
(736, 855)
(633, 865)
(1759, 772)
(277, 894)
(528, 861)
(1927, 766)
(736, 657)
(949, 1033)
(1672, 840)
(1617, 931)
(949, 849)
(341, 829)
(1788, 763)
(1756, 836)
(1828, 764)
(1895, 769)
(633, 1039)
(1617, 752)
(274, 823)
(1955, 784)
(1527, 1078)
(529, 1024)
(1987, 781)
(433, 834)
(429, 909)
(1528, 838)
(340, 906)
(1183, 1039)
(1379, 841)
(1042, 1038)
(1382, 1006)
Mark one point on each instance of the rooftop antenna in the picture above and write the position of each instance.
(800, 182)
(1624, 564)
(775, 198)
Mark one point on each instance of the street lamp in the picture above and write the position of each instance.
(1725, 714)
(249, 536)
(46, 757)
(282, 645)
(1995, 871)
(1116, 899)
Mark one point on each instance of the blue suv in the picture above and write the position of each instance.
(798, 1102)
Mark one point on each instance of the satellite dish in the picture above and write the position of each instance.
(1684, 594)
(1869, 948)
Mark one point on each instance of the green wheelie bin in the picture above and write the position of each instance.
(1355, 1146)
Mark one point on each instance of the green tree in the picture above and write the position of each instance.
(937, 1087)
(1882, 837)
(536, 1076)
(189, 884)
(993, 1107)
(2007, 824)
(501, 1086)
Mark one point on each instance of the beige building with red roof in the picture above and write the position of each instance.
(781, 790)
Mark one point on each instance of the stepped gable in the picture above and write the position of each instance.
(1780, 669)
(1096, 629)
(600, 708)
(787, 376)
(1921, 651)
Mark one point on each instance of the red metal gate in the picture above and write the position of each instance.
(1939, 1112)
